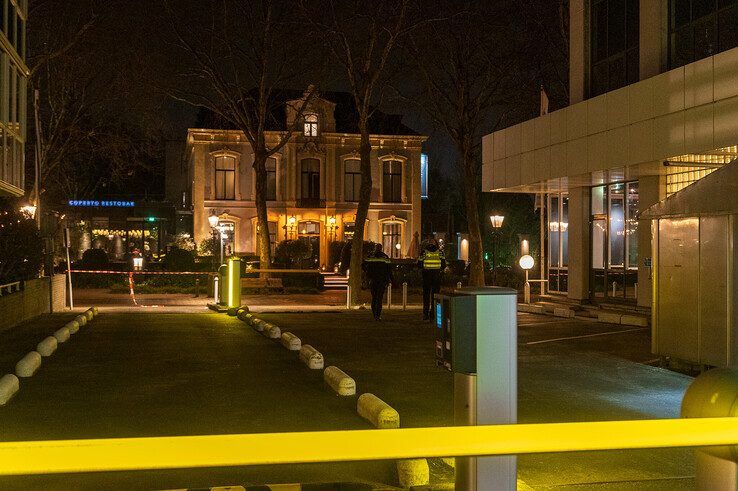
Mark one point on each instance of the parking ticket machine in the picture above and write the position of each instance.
(476, 339)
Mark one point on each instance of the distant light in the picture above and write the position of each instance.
(29, 210)
(497, 220)
(150, 219)
(213, 220)
(398, 246)
(526, 262)
(138, 263)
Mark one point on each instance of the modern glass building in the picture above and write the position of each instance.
(13, 91)
(653, 108)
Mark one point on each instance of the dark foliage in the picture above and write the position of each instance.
(20, 244)
(179, 260)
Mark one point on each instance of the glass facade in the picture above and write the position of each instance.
(614, 37)
(14, 85)
(558, 243)
(701, 28)
(614, 256)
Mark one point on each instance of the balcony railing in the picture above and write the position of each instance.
(310, 203)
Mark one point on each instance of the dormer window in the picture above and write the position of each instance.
(311, 125)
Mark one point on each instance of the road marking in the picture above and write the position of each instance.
(586, 336)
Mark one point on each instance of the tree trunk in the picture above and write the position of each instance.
(365, 196)
(476, 259)
(262, 220)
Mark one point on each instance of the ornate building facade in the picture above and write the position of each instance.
(312, 185)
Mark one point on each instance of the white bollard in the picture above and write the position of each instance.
(272, 331)
(9, 385)
(311, 357)
(81, 320)
(28, 365)
(94, 311)
(62, 335)
(389, 296)
(614, 288)
(88, 313)
(348, 296)
(458, 285)
(341, 383)
(404, 295)
(73, 326)
(291, 342)
(258, 324)
(413, 472)
(377, 412)
(47, 346)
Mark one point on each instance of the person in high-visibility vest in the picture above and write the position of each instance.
(433, 262)
(378, 269)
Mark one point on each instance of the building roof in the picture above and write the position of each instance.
(346, 116)
(716, 193)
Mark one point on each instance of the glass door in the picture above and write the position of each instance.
(614, 241)
(558, 243)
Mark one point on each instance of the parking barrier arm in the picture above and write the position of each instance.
(63, 456)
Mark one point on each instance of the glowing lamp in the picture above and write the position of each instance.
(497, 220)
(213, 220)
(526, 262)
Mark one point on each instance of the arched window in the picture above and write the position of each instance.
(351, 180)
(310, 178)
(225, 177)
(311, 125)
(392, 239)
(392, 181)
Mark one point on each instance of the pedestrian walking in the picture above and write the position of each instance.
(433, 262)
(378, 270)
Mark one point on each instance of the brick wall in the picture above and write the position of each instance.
(39, 296)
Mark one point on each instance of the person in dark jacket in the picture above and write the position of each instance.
(378, 269)
(432, 262)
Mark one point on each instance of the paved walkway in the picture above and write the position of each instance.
(176, 374)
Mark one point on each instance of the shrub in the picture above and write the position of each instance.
(302, 281)
(346, 254)
(334, 253)
(96, 259)
(179, 260)
(183, 241)
(20, 245)
(291, 252)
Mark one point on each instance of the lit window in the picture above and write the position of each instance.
(423, 175)
(391, 239)
(352, 180)
(225, 177)
(311, 125)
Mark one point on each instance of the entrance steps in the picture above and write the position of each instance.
(628, 315)
(333, 281)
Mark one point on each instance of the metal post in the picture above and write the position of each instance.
(69, 267)
(635, 292)
(404, 295)
(494, 258)
(458, 285)
(348, 296)
(614, 285)
(216, 289)
(526, 288)
(389, 296)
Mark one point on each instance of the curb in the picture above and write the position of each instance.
(9, 385)
(339, 381)
(28, 365)
(377, 412)
(311, 357)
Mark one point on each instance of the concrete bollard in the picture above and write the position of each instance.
(311, 357)
(62, 335)
(291, 342)
(272, 331)
(258, 324)
(47, 346)
(413, 472)
(404, 295)
(9, 385)
(339, 381)
(88, 313)
(28, 365)
(81, 320)
(94, 311)
(242, 312)
(248, 318)
(73, 326)
(377, 412)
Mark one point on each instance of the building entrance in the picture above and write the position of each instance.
(614, 241)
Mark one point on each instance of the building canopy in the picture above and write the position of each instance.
(716, 193)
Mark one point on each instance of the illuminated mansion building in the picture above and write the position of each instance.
(312, 182)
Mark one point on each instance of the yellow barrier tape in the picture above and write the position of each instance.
(58, 456)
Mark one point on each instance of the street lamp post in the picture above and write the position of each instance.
(496, 221)
(213, 221)
(526, 262)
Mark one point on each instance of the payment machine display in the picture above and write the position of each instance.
(455, 326)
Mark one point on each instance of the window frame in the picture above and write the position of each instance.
(393, 179)
(355, 194)
(310, 125)
(224, 195)
(689, 29)
(307, 176)
(626, 57)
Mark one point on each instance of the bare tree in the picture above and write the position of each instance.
(467, 76)
(80, 148)
(361, 38)
(238, 56)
